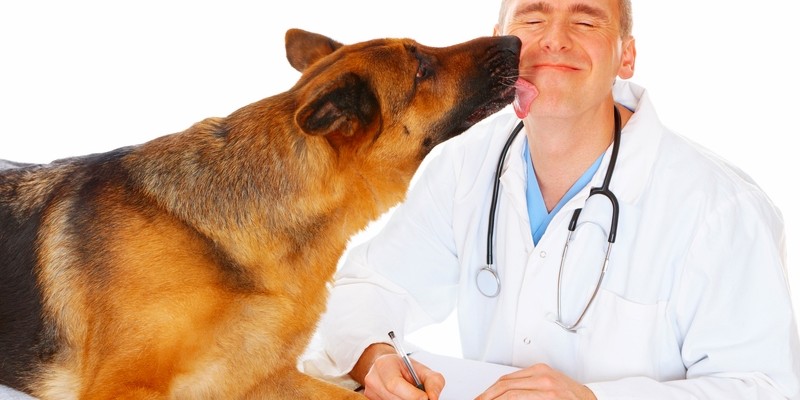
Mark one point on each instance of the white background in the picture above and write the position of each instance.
(83, 76)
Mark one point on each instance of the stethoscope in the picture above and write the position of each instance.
(488, 279)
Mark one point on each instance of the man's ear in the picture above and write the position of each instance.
(628, 60)
(345, 105)
(304, 48)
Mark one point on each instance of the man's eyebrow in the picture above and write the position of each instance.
(578, 8)
(583, 8)
(535, 7)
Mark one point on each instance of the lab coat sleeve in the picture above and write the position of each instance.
(732, 309)
(403, 278)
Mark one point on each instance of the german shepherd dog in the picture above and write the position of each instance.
(196, 265)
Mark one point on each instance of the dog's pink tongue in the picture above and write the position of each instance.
(524, 96)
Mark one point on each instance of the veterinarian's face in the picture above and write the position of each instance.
(571, 50)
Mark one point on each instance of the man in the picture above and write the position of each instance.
(694, 302)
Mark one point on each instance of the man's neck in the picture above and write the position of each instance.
(562, 149)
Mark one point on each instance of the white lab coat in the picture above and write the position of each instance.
(695, 303)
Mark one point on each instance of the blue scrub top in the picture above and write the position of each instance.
(537, 212)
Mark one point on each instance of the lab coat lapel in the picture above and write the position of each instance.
(512, 194)
(640, 141)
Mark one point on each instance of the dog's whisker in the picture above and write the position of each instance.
(508, 80)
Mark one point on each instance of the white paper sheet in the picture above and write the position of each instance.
(6, 393)
(464, 379)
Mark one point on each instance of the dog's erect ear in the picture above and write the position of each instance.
(304, 48)
(346, 106)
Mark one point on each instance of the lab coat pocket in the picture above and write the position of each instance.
(621, 338)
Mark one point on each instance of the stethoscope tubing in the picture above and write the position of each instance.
(495, 193)
(603, 190)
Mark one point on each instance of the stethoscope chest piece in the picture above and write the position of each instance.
(488, 281)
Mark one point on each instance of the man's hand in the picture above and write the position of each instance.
(387, 377)
(539, 382)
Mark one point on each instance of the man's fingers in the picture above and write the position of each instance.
(389, 379)
(433, 381)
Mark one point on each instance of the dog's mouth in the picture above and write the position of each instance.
(493, 105)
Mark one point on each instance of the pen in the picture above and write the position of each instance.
(404, 356)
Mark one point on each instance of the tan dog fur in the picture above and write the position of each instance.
(195, 265)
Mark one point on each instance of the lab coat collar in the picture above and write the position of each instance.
(638, 147)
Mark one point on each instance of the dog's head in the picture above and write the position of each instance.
(395, 97)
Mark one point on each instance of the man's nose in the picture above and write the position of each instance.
(555, 37)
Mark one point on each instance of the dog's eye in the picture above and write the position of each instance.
(424, 70)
